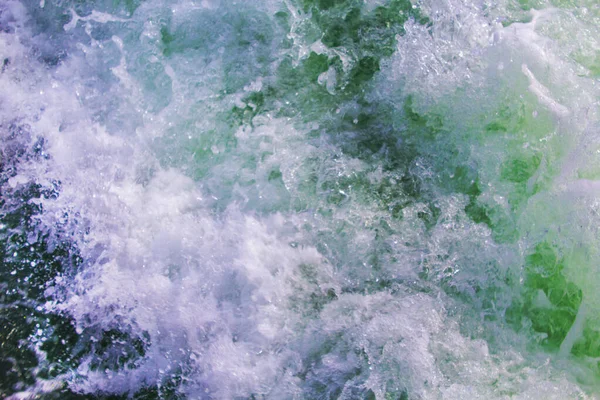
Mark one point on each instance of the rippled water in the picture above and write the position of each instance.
(300, 199)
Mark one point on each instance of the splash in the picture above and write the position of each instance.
(312, 199)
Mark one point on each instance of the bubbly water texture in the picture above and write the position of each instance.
(300, 199)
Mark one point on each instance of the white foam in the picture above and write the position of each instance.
(225, 289)
(543, 94)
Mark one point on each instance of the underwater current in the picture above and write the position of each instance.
(300, 199)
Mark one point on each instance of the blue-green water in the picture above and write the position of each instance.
(300, 199)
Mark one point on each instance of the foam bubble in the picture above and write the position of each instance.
(374, 231)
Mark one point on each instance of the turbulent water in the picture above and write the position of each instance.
(300, 199)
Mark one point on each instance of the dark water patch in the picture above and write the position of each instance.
(32, 257)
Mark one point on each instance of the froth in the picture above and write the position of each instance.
(252, 260)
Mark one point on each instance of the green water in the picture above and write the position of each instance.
(319, 199)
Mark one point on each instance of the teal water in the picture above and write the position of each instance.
(300, 199)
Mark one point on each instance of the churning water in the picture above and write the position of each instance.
(300, 199)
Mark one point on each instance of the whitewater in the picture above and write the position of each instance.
(300, 199)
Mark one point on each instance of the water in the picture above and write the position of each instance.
(300, 199)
